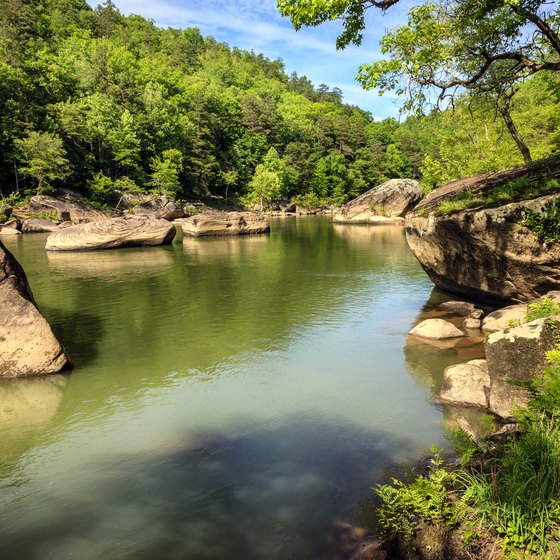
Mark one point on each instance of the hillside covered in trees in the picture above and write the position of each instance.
(107, 104)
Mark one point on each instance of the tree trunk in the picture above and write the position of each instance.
(506, 115)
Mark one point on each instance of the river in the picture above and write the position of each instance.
(232, 398)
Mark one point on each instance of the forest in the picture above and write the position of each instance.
(107, 104)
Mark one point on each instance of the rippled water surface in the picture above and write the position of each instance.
(231, 398)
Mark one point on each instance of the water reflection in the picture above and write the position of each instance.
(27, 406)
(215, 496)
(110, 263)
(233, 248)
(242, 395)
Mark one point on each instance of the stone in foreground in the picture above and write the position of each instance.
(128, 231)
(466, 384)
(224, 223)
(436, 329)
(28, 346)
(391, 200)
(517, 354)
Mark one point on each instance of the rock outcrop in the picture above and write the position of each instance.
(438, 329)
(487, 253)
(224, 223)
(39, 225)
(69, 209)
(390, 200)
(27, 344)
(163, 207)
(517, 354)
(128, 231)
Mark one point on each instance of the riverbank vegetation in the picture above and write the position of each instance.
(502, 502)
(108, 104)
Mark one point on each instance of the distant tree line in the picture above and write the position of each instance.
(108, 104)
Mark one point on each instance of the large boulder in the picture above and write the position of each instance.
(391, 200)
(487, 253)
(39, 225)
(436, 329)
(517, 354)
(127, 231)
(27, 344)
(466, 384)
(224, 223)
(163, 207)
(69, 209)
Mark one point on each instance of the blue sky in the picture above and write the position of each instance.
(257, 25)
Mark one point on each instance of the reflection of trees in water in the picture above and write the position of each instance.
(194, 305)
(271, 492)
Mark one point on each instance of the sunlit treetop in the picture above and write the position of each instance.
(351, 12)
(448, 44)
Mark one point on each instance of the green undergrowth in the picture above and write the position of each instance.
(500, 497)
(546, 225)
(522, 188)
(541, 309)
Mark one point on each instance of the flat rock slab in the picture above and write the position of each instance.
(128, 231)
(461, 308)
(507, 317)
(28, 346)
(224, 223)
(436, 329)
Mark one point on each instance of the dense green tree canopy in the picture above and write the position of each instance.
(108, 104)
(486, 47)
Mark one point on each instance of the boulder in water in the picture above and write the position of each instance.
(27, 344)
(127, 231)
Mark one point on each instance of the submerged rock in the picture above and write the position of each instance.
(128, 231)
(436, 329)
(224, 223)
(28, 346)
(390, 200)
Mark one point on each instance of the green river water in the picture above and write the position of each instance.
(231, 398)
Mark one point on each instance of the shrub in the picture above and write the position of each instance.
(539, 310)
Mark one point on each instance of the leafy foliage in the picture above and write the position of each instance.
(545, 225)
(541, 309)
(511, 497)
